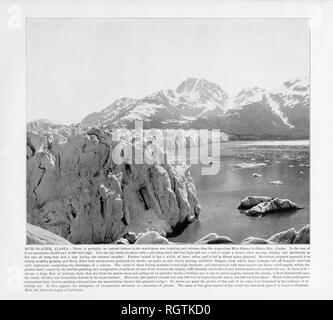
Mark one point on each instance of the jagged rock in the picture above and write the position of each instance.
(76, 190)
(213, 238)
(37, 235)
(254, 240)
(130, 237)
(272, 206)
(276, 182)
(303, 235)
(251, 201)
(284, 237)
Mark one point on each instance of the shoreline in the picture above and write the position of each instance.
(36, 235)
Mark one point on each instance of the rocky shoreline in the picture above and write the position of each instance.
(37, 235)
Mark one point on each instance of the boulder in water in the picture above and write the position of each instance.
(214, 238)
(251, 201)
(255, 240)
(130, 237)
(274, 205)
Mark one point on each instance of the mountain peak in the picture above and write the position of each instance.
(195, 84)
(199, 103)
(301, 81)
(250, 95)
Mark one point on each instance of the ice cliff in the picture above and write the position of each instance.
(77, 191)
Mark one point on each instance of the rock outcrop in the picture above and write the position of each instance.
(77, 191)
(251, 201)
(260, 205)
(214, 238)
(284, 237)
(37, 235)
(275, 205)
(290, 236)
(303, 235)
(151, 237)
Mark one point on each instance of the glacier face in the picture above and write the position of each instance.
(77, 191)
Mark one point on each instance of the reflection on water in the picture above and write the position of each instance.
(219, 194)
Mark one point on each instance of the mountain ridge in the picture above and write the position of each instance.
(256, 113)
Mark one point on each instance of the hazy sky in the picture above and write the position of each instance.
(78, 66)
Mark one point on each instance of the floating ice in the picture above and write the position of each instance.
(247, 165)
(276, 182)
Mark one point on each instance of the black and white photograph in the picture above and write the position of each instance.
(166, 155)
(168, 131)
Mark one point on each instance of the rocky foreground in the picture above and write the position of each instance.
(76, 190)
(36, 235)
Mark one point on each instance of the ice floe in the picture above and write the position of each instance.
(276, 182)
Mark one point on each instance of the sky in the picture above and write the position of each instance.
(79, 66)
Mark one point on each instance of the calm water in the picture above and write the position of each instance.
(219, 194)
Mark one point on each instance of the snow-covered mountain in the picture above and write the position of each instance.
(192, 99)
(255, 112)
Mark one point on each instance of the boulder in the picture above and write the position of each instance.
(251, 201)
(284, 237)
(303, 235)
(290, 236)
(130, 237)
(37, 235)
(274, 205)
(122, 241)
(151, 237)
(77, 190)
(161, 240)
